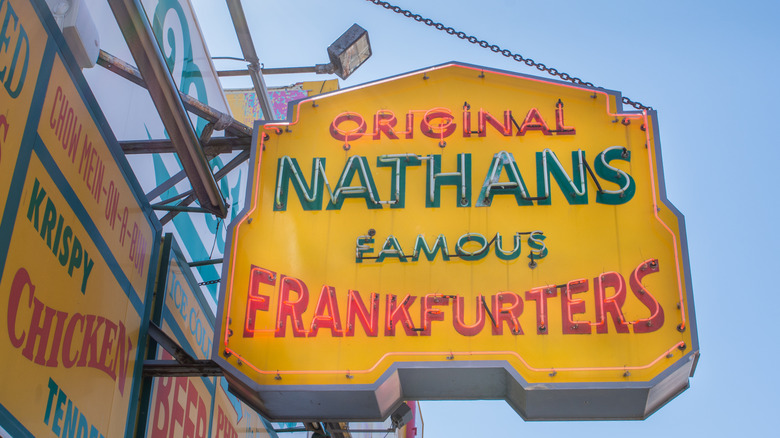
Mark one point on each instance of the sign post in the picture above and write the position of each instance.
(458, 233)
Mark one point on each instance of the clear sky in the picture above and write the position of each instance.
(708, 67)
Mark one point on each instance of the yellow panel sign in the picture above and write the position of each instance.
(76, 245)
(70, 330)
(454, 221)
(71, 135)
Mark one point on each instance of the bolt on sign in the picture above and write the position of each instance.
(458, 233)
(76, 245)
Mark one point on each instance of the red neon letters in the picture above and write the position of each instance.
(504, 310)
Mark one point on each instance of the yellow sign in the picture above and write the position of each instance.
(76, 245)
(81, 153)
(455, 220)
(71, 332)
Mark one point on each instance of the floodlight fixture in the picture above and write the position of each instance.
(349, 51)
(346, 54)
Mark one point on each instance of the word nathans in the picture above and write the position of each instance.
(504, 308)
(548, 168)
(469, 246)
(53, 338)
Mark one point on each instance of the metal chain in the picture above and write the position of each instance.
(206, 283)
(496, 49)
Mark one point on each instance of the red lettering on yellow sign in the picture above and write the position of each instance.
(440, 123)
(51, 335)
(179, 410)
(504, 310)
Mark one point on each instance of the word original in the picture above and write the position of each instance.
(440, 123)
(52, 337)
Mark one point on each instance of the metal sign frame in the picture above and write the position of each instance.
(622, 397)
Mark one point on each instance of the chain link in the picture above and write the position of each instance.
(496, 49)
(206, 283)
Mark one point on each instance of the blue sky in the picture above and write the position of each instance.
(707, 67)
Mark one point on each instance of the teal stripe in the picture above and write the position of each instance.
(12, 425)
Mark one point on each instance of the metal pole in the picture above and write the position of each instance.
(137, 32)
(320, 69)
(248, 49)
(127, 71)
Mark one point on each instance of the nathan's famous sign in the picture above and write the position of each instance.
(455, 233)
